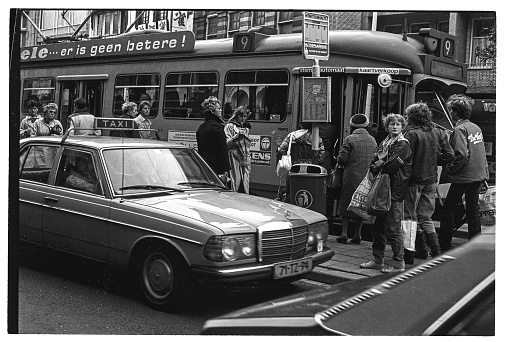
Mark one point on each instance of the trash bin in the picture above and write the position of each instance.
(307, 187)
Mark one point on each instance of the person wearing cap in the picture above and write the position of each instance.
(237, 139)
(211, 138)
(26, 126)
(354, 157)
(430, 148)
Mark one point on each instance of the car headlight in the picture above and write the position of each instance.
(318, 234)
(230, 247)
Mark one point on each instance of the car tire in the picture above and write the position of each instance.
(163, 278)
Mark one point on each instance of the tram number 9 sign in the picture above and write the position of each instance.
(448, 47)
(242, 42)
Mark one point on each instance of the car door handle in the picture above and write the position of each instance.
(51, 199)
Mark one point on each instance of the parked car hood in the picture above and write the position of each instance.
(231, 212)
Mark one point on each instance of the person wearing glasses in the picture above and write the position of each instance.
(48, 124)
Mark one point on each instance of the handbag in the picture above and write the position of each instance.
(379, 198)
(359, 198)
(284, 164)
(336, 177)
(409, 231)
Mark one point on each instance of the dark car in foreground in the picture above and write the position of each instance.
(452, 294)
(158, 210)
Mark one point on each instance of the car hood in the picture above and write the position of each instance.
(231, 212)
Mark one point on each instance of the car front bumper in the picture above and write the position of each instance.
(257, 272)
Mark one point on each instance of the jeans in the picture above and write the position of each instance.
(420, 205)
(456, 191)
(388, 228)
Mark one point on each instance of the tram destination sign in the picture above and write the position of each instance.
(131, 45)
(315, 36)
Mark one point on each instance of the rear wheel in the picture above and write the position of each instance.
(163, 278)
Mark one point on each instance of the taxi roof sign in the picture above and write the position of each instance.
(114, 123)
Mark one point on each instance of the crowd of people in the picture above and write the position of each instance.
(410, 154)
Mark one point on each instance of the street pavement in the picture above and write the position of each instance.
(344, 265)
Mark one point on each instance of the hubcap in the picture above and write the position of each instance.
(158, 277)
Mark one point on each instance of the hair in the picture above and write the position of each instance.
(143, 104)
(461, 105)
(80, 103)
(239, 110)
(419, 114)
(128, 106)
(394, 117)
(32, 103)
(209, 104)
(306, 125)
(49, 106)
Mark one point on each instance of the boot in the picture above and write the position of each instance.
(421, 246)
(408, 256)
(434, 245)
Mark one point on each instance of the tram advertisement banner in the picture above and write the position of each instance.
(316, 99)
(181, 41)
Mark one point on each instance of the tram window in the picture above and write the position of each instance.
(41, 90)
(263, 92)
(438, 114)
(185, 92)
(137, 88)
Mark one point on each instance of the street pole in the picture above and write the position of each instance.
(316, 72)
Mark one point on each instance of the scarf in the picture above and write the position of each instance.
(382, 151)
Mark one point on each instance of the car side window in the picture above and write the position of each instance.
(77, 171)
(35, 163)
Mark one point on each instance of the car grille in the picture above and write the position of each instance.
(283, 244)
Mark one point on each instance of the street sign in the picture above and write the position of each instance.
(315, 36)
(316, 99)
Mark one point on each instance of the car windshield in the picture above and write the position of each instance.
(157, 169)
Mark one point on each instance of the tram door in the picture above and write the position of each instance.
(91, 90)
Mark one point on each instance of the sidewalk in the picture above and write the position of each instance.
(345, 263)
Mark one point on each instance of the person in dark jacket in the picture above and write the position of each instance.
(211, 138)
(393, 157)
(466, 172)
(130, 111)
(354, 157)
(430, 148)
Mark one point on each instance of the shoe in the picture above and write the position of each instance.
(371, 264)
(342, 239)
(356, 241)
(390, 269)
(422, 254)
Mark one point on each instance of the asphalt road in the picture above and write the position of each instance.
(60, 294)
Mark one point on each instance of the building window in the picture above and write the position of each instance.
(137, 88)
(106, 24)
(483, 42)
(212, 27)
(285, 16)
(397, 29)
(234, 21)
(285, 22)
(443, 26)
(245, 17)
(143, 21)
(259, 18)
(185, 92)
(414, 28)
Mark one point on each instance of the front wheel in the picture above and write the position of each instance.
(163, 279)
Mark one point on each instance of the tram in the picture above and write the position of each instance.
(369, 72)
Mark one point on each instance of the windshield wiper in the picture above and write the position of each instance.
(150, 187)
(204, 184)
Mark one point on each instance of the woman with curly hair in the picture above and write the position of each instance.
(212, 140)
(393, 157)
(237, 139)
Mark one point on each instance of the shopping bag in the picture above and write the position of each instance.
(336, 177)
(409, 229)
(359, 198)
(487, 206)
(379, 198)
(284, 164)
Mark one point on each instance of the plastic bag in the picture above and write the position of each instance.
(284, 165)
(409, 229)
(358, 202)
(487, 206)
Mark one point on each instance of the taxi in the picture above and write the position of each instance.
(157, 209)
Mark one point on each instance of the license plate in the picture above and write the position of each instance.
(291, 268)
